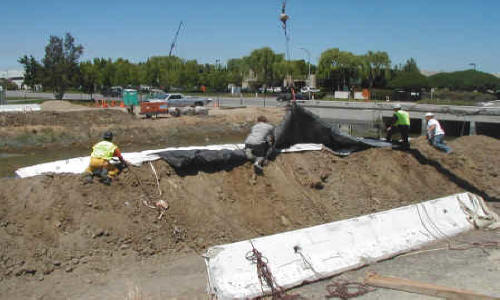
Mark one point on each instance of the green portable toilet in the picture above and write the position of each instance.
(130, 97)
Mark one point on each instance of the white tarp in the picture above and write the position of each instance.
(19, 107)
(322, 251)
(79, 164)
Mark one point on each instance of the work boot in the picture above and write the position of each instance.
(87, 179)
(105, 180)
(257, 167)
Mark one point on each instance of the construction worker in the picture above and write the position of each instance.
(435, 133)
(259, 143)
(400, 122)
(101, 160)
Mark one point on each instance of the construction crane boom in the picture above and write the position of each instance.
(174, 41)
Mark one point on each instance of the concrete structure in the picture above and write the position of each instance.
(471, 117)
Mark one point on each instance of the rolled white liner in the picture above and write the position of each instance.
(333, 248)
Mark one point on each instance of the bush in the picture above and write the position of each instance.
(469, 80)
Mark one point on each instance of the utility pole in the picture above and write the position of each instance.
(474, 65)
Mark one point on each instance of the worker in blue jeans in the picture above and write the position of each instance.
(435, 133)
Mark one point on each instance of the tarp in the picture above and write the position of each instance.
(302, 126)
(322, 251)
(77, 165)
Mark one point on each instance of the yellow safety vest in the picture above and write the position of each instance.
(403, 118)
(104, 150)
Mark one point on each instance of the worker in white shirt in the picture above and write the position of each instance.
(435, 133)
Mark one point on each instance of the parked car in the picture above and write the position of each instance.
(288, 96)
(179, 100)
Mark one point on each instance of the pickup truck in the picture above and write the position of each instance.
(179, 100)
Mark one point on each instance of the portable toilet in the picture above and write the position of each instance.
(130, 97)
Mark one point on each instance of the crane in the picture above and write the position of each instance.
(174, 41)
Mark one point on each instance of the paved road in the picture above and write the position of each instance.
(224, 101)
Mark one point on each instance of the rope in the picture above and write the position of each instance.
(156, 176)
(346, 290)
(265, 275)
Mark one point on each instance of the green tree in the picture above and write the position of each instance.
(89, 77)
(338, 69)
(60, 64)
(263, 62)
(375, 69)
(409, 81)
(32, 71)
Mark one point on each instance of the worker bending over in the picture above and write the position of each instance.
(400, 122)
(435, 133)
(101, 160)
(259, 143)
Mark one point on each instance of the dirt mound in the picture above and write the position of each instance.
(55, 223)
(475, 159)
(82, 129)
(60, 105)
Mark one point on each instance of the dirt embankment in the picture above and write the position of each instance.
(81, 128)
(54, 223)
(475, 159)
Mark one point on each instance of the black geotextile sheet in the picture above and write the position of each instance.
(301, 126)
(298, 126)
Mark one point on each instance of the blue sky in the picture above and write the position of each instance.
(439, 34)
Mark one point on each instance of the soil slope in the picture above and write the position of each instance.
(55, 222)
(475, 159)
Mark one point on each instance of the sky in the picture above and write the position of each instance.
(442, 35)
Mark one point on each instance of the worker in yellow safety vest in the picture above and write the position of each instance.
(102, 158)
(400, 122)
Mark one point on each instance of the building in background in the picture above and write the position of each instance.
(14, 76)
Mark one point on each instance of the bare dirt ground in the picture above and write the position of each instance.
(61, 239)
(55, 225)
(83, 127)
(475, 159)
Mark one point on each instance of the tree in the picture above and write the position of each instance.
(60, 64)
(32, 71)
(338, 69)
(469, 80)
(89, 77)
(411, 66)
(263, 62)
(409, 81)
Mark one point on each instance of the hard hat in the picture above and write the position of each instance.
(108, 135)
(429, 114)
(396, 106)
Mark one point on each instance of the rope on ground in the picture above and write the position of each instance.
(160, 205)
(346, 290)
(265, 275)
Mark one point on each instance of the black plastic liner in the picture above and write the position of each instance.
(204, 160)
(298, 126)
(302, 126)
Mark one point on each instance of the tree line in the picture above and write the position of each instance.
(61, 69)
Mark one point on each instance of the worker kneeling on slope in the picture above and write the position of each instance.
(259, 143)
(102, 162)
(435, 133)
(400, 122)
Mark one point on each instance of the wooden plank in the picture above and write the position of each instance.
(423, 288)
